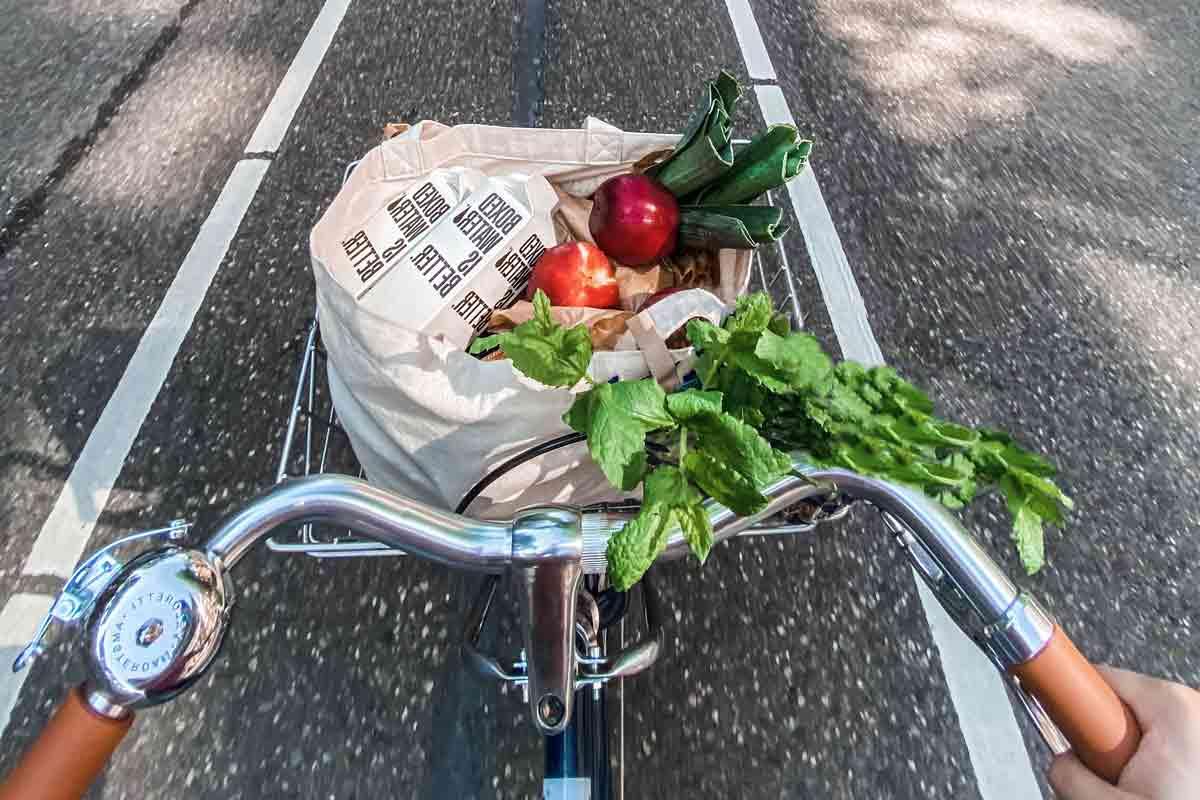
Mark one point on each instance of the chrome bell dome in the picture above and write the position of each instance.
(157, 627)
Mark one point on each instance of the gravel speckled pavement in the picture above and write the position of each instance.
(1016, 190)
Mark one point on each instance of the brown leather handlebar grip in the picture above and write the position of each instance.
(1100, 727)
(68, 755)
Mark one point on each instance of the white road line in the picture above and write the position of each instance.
(66, 531)
(278, 117)
(18, 623)
(1003, 770)
(838, 287)
(745, 28)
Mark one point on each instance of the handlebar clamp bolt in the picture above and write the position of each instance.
(551, 710)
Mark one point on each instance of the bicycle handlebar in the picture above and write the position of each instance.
(448, 538)
(1056, 684)
(421, 530)
(1014, 631)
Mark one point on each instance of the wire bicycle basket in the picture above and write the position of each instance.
(314, 442)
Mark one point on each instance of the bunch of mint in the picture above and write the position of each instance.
(767, 392)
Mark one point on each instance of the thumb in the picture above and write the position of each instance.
(1073, 781)
(1149, 698)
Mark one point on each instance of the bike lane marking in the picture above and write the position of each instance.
(65, 533)
(749, 39)
(1003, 768)
(275, 121)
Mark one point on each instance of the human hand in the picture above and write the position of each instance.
(1166, 765)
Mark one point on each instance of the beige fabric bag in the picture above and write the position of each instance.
(426, 419)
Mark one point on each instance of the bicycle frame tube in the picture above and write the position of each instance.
(576, 764)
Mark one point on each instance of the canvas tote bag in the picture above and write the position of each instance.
(426, 419)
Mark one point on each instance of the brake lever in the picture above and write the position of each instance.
(954, 600)
(947, 590)
(89, 580)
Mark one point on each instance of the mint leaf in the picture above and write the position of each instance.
(723, 483)
(697, 529)
(739, 447)
(669, 501)
(1030, 539)
(692, 403)
(633, 549)
(766, 390)
(870, 462)
(780, 324)
(965, 492)
(1027, 530)
(917, 434)
(1042, 496)
(956, 435)
(616, 417)
(720, 349)
(870, 420)
(798, 359)
(546, 351)
(781, 364)
(667, 488)
(842, 404)
(705, 336)
(911, 398)
(1014, 458)
(752, 314)
(707, 367)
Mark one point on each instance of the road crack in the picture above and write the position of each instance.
(529, 65)
(29, 209)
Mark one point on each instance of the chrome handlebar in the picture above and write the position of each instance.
(452, 539)
(154, 623)
(375, 513)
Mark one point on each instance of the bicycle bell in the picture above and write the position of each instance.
(157, 627)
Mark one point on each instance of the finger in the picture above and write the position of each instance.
(1149, 697)
(1073, 781)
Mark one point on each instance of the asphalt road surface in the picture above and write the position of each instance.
(1015, 187)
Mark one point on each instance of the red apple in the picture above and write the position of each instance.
(634, 219)
(576, 274)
